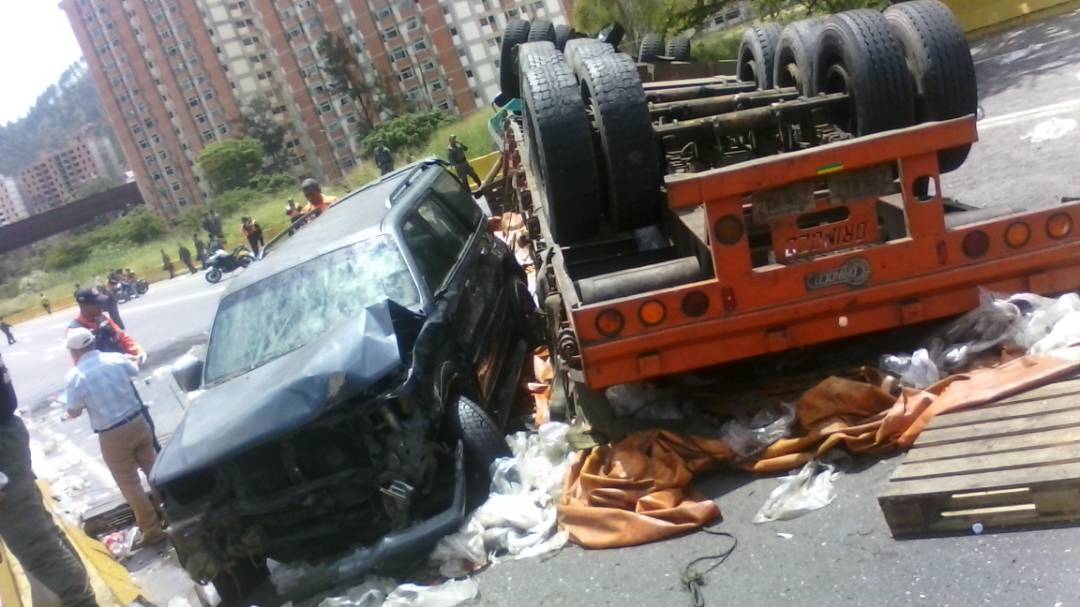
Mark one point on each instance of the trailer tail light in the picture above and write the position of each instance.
(695, 304)
(1059, 225)
(610, 323)
(976, 244)
(1017, 234)
(652, 313)
(728, 230)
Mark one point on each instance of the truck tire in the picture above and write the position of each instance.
(678, 48)
(941, 67)
(516, 32)
(560, 133)
(478, 432)
(580, 49)
(562, 35)
(533, 54)
(757, 54)
(859, 55)
(629, 158)
(612, 34)
(541, 30)
(796, 52)
(651, 47)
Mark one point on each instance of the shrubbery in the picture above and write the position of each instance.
(407, 132)
(137, 227)
(272, 183)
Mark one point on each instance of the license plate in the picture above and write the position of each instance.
(827, 238)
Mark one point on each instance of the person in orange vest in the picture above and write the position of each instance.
(317, 201)
(253, 233)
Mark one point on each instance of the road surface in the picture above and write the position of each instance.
(842, 555)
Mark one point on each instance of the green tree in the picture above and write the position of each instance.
(640, 17)
(406, 132)
(231, 164)
(259, 124)
(343, 72)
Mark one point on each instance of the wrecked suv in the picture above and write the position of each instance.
(352, 380)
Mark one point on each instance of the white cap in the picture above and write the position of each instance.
(79, 338)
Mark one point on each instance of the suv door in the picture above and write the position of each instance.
(461, 264)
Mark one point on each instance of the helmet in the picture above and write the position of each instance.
(310, 185)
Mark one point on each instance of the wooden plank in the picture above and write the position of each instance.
(1056, 395)
(1057, 475)
(987, 499)
(1007, 427)
(925, 515)
(1004, 411)
(1011, 460)
(1003, 444)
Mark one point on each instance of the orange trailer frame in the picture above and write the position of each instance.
(837, 284)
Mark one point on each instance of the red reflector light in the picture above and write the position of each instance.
(728, 230)
(1059, 225)
(652, 313)
(610, 323)
(695, 304)
(976, 244)
(1017, 234)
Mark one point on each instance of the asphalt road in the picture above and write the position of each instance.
(842, 555)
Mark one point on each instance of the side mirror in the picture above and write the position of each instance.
(187, 371)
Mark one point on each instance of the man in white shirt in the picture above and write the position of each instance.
(100, 383)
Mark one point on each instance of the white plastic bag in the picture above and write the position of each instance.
(447, 594)
(917, 370)
(748, 439)
(809, 489)
(371, 593)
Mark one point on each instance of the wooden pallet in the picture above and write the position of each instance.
(1014, 464)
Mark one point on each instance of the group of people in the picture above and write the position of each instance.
(456, 156)
(105, 361)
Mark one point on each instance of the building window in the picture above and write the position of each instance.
(176, 186)
(383, 13)
(444, 105)
(169, 170)
(162, 155)
(468, 74)
(193, 101)
(223, 129)
(143, 144)
(405, 74)
(200, 118)
(419, 45)
(208, 135)
(428, 66)
(391, 32)
(412, 23)
(437, 85)
(398, 53)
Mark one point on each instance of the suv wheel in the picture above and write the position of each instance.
(483, 441)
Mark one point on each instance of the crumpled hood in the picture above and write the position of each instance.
(282, 395)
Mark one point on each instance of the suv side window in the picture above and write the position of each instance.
(435, 239)
(459, 201)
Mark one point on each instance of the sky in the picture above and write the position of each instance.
(36, 46)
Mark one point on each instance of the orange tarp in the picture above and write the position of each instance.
(637, 490)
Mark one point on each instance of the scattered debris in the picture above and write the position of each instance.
(785, 536)
(749, 438)
(809, 489)
(1047, 130)
(447, 594)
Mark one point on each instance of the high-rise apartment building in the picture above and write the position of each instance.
(12, 207)
(176, 75)
(55, 177)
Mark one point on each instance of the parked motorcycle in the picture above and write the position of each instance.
(126, 291)
(221, 262)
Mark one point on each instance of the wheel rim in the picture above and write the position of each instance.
(837, 80)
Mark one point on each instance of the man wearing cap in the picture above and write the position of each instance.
(26, 527)
(109, 336)
(317, 201)
(100, 384)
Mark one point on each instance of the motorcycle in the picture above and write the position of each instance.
(126, 291)
(221, 262)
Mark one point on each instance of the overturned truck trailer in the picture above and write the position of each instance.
(685, 223)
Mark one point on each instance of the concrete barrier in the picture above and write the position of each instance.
(980, 17)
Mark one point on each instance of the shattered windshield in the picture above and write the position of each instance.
(290, 309)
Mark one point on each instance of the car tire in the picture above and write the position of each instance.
(628, 153)
(757, 54)
(559, 131)
(612, 34)
(859, 55)
(678, 49)
(516, 32)
(541, 30)
(796, 52)
(213, 276)
(238, 582)
(483, 441)
(562, 35)
(580, 49)
(651, 47)
(939, 60)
